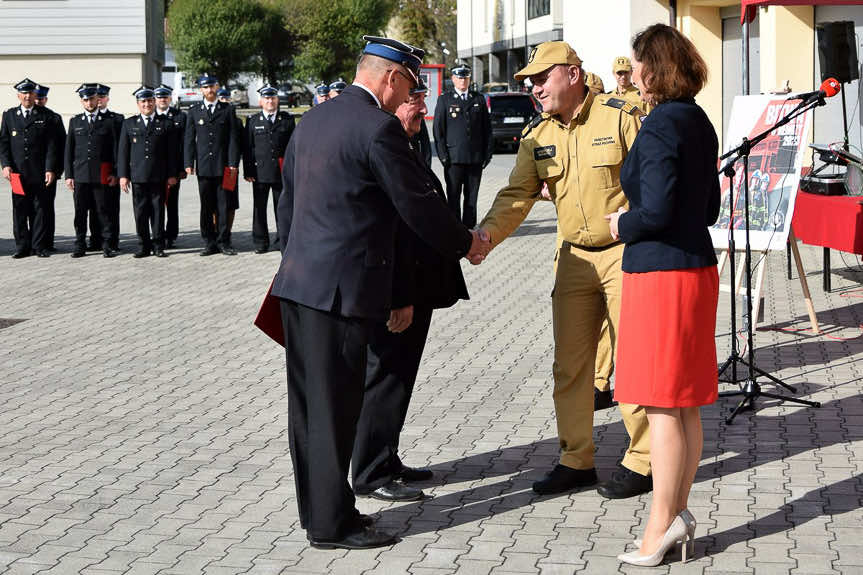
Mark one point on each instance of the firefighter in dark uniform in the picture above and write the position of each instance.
(462, 134)
(90, 166)
(224, 95)
(337, 87)
(211, 143)
(145, 164)
(28, 149)
(60, 135)
(322, 94)
(267, 136)
(103, 92)
(178, 120)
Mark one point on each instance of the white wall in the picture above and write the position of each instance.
(73, 26)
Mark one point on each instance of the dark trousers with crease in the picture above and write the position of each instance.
(260, 229)
(148, 200)
(391, 371)
(29, 218)
(50, 217)
(463, 179)
(172, 212)
(214, 201)
(91, 199)
(326, 359)
(112, 202)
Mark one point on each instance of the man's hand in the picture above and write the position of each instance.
(112, 181)
(190, 171)
(400, 319)
(7, 173)
(124, 185)
(49, 178)
(70, 183)
(479, 247)
(248, 179)
(612, 222)
(544, 191)
(172, 181)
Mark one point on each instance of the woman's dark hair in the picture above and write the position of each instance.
(670, 64)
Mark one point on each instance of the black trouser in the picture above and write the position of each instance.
(391, 371)
(92, 199)
(463, 178)
(172, 212)
(214, 201)
(29, 216)
(326, 358)
(149, 200)
(260, 230)
(49, 216)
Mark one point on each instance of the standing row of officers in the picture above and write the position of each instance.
(102, 153)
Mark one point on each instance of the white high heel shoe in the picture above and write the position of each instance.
(677, 532)
(689, 519)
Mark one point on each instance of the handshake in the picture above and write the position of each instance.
(479, 247)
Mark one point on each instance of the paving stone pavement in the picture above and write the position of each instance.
(143, 424)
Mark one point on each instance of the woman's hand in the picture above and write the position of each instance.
(612, 222)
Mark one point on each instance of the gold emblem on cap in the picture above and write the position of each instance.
(532, 54)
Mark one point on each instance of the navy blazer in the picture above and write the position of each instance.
(670, 180)
(349, 173)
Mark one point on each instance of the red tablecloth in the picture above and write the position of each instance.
(834, 222)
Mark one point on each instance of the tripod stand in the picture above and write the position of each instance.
(751, 389)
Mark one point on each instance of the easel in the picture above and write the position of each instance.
(759, 281)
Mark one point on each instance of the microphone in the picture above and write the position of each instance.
(829, 88)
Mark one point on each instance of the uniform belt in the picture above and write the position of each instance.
(568, 244)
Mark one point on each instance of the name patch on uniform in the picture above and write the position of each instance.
(544, 152)
(603, 141)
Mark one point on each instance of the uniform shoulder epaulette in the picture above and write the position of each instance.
(624, 106)
(536, 121)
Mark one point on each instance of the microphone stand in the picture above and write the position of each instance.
(750, 390)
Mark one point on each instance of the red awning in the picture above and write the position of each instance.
(747, 7)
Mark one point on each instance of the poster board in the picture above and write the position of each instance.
(774, 173)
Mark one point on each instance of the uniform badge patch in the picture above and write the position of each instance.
(544, 152)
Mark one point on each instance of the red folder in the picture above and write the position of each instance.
(17, 188)
(281, 163)
(229, 179)
(104, 172)
(269, 318)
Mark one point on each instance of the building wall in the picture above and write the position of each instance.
(64, 73)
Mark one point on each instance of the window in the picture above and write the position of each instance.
(537, 8)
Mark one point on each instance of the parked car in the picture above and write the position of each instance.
(510, 112)
(495, 87)
(293, 94)
(239, 95)
(186, 91)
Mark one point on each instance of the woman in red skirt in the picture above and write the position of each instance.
(666, 354)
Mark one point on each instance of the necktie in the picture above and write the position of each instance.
(464, 96)
(210, 109)
(270, 119)
(90, 119)
(146, 121)
(26, 114)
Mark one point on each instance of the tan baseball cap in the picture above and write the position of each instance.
(545, 56)
(622, 64)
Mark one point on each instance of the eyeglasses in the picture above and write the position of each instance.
(406, 77)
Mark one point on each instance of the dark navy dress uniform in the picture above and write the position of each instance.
(113, 191)
(90, 143)
(144, 157)
(29, 148)
(462, 133)
(177, 118)
(211, 144)
(60, 135)
(266, 140)
(348, 175)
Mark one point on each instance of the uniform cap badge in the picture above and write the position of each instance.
(532, 54)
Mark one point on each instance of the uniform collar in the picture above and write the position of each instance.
(579, 117)
(27, 110)
(372, 94)
(460, 94)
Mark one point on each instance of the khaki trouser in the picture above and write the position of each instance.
(586, 290)
(604, 359)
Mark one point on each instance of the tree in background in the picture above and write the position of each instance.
(330, 34)
(217, 36)
(430, 25)
(278, 44)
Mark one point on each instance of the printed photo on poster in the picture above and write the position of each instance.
(774, 173)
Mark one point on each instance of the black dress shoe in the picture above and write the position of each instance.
(415, 474)
(626, 483)
(78, 253)
(21, 254)
(228, 250)
(209, 250)
(43, 253)
(563, 478)
(141, 254)
(261, 250)
(160, 253)
(395, 491)
(365, 520)
(365, 538)
(602, 400)
(110, 253)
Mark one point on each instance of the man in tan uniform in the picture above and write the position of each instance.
(625, 90)
(576, 147)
